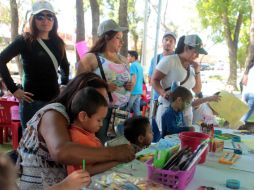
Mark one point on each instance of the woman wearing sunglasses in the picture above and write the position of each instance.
(42, 52)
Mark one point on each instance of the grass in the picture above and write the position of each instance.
(6, 147)
(215, 77)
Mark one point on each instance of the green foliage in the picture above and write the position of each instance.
(216, 77)
(212, 11)
(244, 43)
(87, 7)
(113, 6)
(5, 16)
(133, 18)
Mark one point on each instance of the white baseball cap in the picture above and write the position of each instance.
(109, 25)
(40, 6)
(195, 42)
(169, 33)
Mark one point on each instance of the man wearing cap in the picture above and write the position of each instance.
(180, 67)
(168, 44)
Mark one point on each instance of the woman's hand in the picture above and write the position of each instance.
(75, 181)
(214, 98)
(22, 95)
(196, 67)
(129, 86)
(126, 156)
(112, 87)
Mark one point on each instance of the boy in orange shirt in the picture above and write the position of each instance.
(89, 108)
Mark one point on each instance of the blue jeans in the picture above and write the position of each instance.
(27, 110)
(249, 99)
(134, 104)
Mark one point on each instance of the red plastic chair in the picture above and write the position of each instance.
(6, 123)
(145, 110)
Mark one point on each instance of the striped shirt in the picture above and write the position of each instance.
(38, 170)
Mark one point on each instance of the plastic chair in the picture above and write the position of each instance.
(6, 123)
(145, 110)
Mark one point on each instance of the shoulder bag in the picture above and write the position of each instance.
(118, 115)
(51, 55)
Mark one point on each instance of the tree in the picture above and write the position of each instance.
(4, 14)
(15, 29)
(95, 10)
(5, 18)
(251, 46)
(133, 20)
(122, 19)
(123, 22)
(80, 26)
(225, 18)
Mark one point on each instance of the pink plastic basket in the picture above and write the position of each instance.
(173, 179)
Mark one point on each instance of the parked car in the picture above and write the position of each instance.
(205, 66)
(219, 66)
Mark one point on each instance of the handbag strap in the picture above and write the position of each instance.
(186, 78)
(51, 55)
(158, 59)
(103, 75)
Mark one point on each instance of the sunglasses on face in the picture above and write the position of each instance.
(41, 17)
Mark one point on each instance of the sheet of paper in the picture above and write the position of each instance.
(244, 163)
(230, 108)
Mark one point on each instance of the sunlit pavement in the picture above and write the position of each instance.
(211, 84)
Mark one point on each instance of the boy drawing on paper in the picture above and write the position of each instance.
(138, 131)
(89, 108)
(172, 119)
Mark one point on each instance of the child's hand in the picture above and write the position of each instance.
(112, 87)
(128, 86)
(76, 180)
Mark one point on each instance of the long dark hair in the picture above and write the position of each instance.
(100, 44)
(32, 35)
(180, 46)
(81, 81)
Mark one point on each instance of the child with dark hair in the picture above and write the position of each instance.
(136, 72)
(138, 131)
(88, 109)
(172, 119)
